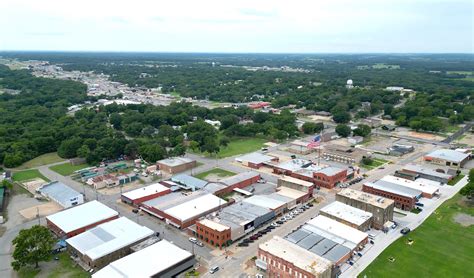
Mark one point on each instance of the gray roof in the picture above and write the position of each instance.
(58, 191)
(426, 171)
(449, 155)
(323, 247)
(330, 171)
(172, 199)
(336, 253)
(297, 235)
(256, 158)
(239, 178)
(189, 182)
(241, 211)
(276, 196)
(310, 241)
(213, 187)
(395, 188)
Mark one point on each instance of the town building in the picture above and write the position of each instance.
(111, 180)
(256, 160)
(277, 206)
(78, 219)
(140, 195)
(351, 216)
(174, 165)
(281, 258)
(61, 194)
(162, 259)
(405, 198)
(446, 157)
(107, 242)
(300, 147)
(343, 154)
(400, 149)
(426, 173)
(355, 140)
(182, 210)
(427, 187)
(381, 208)
(240, 180)
(296, 196)
(297, 184)
(187, 182)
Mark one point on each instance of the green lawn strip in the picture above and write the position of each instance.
(67, 169)
(67, 268)
(28, 175)
(221, 173)
(455, 179)
(44, 159)
(241, 146)
(441, 248)
(28, 272)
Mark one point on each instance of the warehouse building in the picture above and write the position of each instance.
(281, 258)
(297, 184)
(300, 147)
(175, 165)
(182, 210)
(162, 259)
(446, 157)
(428, 188)
(107, 242)
(405, 198)
(381, 208)
(240, 180)
(264, 201)
(140, 195)
(61, 194)
(76, 220)
(296, 196)
(426, 173)
(354, 217)
(188, 182)
(256, 160)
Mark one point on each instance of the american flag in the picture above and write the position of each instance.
(315, 142)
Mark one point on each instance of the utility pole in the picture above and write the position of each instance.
(38, 215)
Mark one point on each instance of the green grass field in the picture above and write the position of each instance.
(67, 169)
(65, 267)
(221, 173)
(376, 162)
(41, 160)
(241, 146)
(455, 179)
(441, 248)
(28, 175)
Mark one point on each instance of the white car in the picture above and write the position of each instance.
(193, 239)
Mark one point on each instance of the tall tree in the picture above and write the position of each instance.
(32, 246)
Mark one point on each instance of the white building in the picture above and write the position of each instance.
(348, 215)
(427, 187)
(61, 194)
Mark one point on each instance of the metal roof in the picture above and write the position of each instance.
(426, 171)
(58, 191)
(145, 191)
(336, 253)
(347, 213)
(395, 188)
(449, 155)
(239, 178)
(256, 158)
(195, 207)
(175, 161)
(189, 182)
(264, 201)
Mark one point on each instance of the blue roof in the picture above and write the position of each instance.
(189, 182)
(58, 191)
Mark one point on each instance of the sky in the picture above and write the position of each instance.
(256, 26)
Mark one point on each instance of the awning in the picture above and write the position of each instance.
(261, 264)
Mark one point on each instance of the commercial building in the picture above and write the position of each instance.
(428, 188)
(399, 149)
(381, 208)
(107, 242)
(111, 180)
(175, 165)
(265, 201)
(446, 157)
(426, 173)
(240, 180)
(281, 258)
(61, 194)
(140, 195)
(162, 259)
(182, 210)
(300, 147)
(78, 219)
(188, 182)
(256, 160)
(355, 140)
(213, 232)
(405, 198)
(351, 216)
(297, 184)
(296, 196)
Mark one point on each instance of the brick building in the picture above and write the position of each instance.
(140, 195)
(405, 198)
(213, 233)
(175, 165)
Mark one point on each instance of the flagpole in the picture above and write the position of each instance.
(319, 147)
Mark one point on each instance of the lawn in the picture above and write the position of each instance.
(65, 267)
(28, 175)
(41, 160)
(455, 179)
(221, 173)
(376, 162)
(441, 248)
(67, 169)
(241, 146)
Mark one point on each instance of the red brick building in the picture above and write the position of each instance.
(140, 195)
(256, 160)
(213, 233)
(175, 165)
(405, 198)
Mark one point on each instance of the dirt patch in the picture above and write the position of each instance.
(463, 219)
(213, 177)
(33, 185)
(427, 136)
(43, 210)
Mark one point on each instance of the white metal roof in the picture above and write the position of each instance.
(213, 225)
(59, 191)
(338, 229)
(296, 255)
(256, 158)
(394, 188)
(290, 192)
(195, 207)
(80, 216)
(175, 161)
(297, 181)
(146, 262)
(145, 191)
(426, 171)
(109, 237)
(419, 184)
(264, 201)
(347, 213)
(449, 155)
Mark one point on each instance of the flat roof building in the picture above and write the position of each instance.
(298, 184)
(255, 160)
(137, 196)
(61, 194)
(427, 173)
(381, 208)
(447, 157)
(428, 188)
(281, 258)
(78, 219)
(354, 217)
(277, 206)
(162, 259)
(188, 182)
(405, 198)
(175, 165)
(107, 242)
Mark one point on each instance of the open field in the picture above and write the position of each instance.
(441, 247)
(41, 160)
(67, 168)
(217, 172)
(28, 175)
(241, 146)
(456, 179)
(376, 162)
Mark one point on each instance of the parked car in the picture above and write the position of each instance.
(135, 210)
(198, 243)
(420, 204)
(372, 242)
(280, 222)
(293, 156)
(359, 254)
(405, 230)
(261, 181)
(214, 269)
(193, 239)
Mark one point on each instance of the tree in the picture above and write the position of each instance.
(116, 120)
(32, 246)
(83, 151)
(224, 141)
(471, 175)
(343, 130)
(362, 130)
(341, 117)
(311, 128)
(388, 109)
(367, 160)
